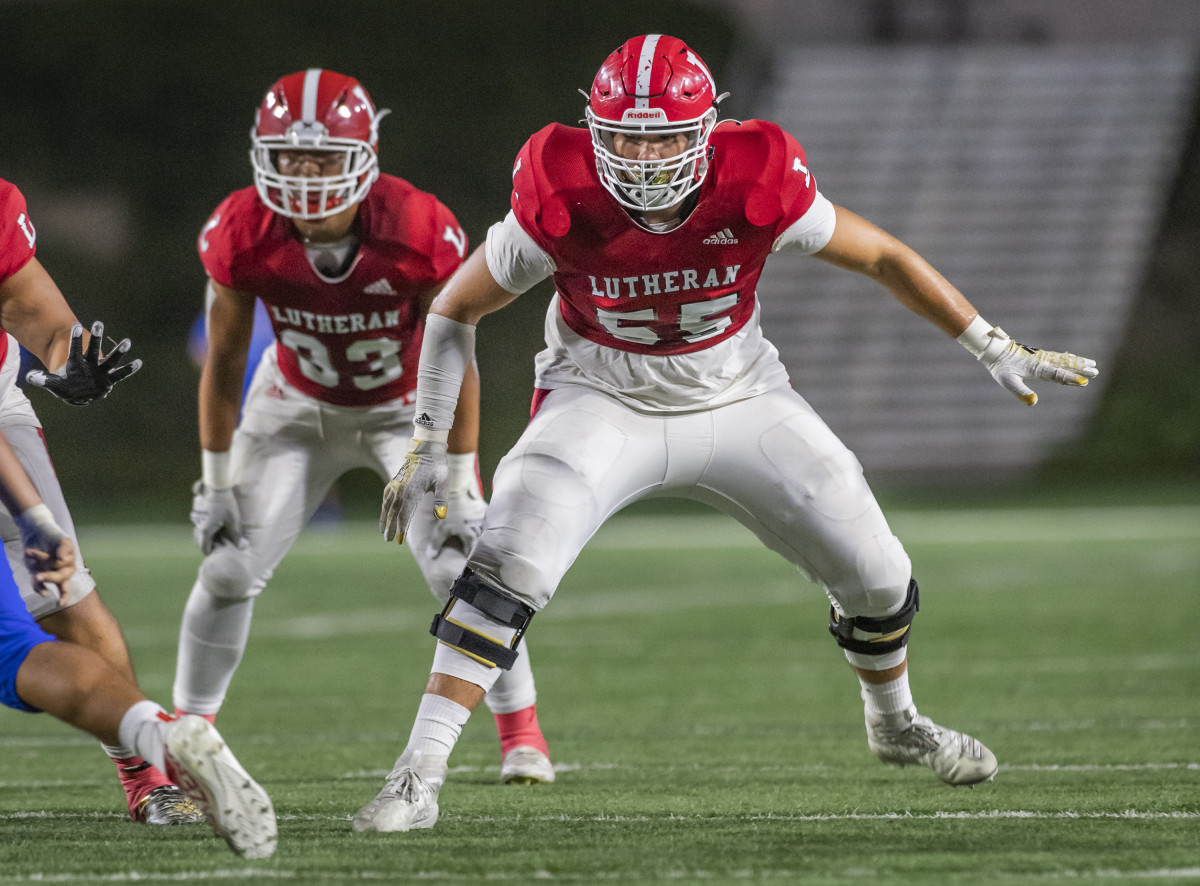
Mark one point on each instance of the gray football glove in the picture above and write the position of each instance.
(424, 468)
(49, 552)
(216, 518)
(1012, 363)
(88, 375)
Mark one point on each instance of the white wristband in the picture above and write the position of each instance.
(463, 475)
(37, 517)
(423, 434)
(215, 469)
(976, 337)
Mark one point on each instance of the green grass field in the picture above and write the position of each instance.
(706, 727)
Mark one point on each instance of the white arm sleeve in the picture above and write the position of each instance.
(446, 351)
(811, 231)
(517, 263)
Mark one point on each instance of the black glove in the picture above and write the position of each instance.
(87, 376)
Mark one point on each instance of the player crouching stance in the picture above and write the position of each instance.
(346, 260)
(655, 223)
(69, 681)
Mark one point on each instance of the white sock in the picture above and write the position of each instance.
(140, 730)
(117, 752)
(438, 725)
(892, 697)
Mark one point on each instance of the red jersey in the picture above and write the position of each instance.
(354, 340)
(18, 240)
(625, 287)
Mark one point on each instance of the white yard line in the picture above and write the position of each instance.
(372, 774)
(854, 875)
(802, 767)
(958, 815)
(175, 877)
(310, 738)
(1098, 767)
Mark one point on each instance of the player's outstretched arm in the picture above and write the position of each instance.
(857, 245)
(89, 374)
(1012, 364)
(447, 357)
(34, 311)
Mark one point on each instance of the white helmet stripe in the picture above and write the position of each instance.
(695, 59)
(308, 107)
(645, 63)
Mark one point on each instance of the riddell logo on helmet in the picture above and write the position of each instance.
(306, 132)
(632, 114)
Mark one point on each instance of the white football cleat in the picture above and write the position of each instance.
(408, 800)
(240, 812)
(908, 737)
(526, 765)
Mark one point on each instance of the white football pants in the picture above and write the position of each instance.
(23, 430)
(769, 462)
(287, 452)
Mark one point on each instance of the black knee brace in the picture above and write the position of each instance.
(875, 636)
(499, 607)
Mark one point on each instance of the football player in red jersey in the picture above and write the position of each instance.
(346, 260)
(656, 380)
(34, 313)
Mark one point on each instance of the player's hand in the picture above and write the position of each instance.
(216, 518)
(424, 468)
(1012, 364)
(49, 553)
(52, 570)
(88, 375)
(463, 524)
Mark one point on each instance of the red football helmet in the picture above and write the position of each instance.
(315, 110)
(652, 84)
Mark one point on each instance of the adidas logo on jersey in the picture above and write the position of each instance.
(275, 393)
(380, 287)
(721, 238)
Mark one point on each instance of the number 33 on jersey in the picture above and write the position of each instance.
(353, 340)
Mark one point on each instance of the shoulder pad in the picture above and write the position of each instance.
(18, 238)
(235, 227)
(554, 162)
(397, 215)
(778, 185)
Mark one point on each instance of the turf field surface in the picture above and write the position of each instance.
(705, 726)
